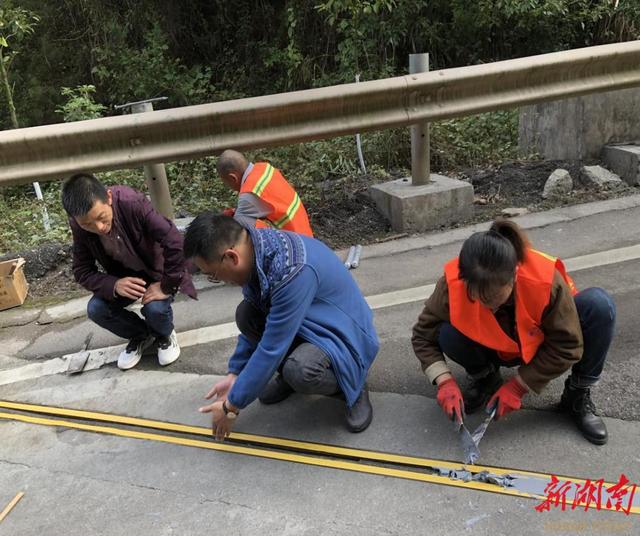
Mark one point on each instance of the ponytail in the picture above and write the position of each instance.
(514, 234)
(488, 259)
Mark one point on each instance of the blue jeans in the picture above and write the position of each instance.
(597, 314)
(114, 317)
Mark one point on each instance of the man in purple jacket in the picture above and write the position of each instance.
(140, 253)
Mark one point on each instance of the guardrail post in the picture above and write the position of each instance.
(422, 201)
(420, 153)
(155, 174)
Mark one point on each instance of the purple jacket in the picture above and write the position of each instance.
(148, 235)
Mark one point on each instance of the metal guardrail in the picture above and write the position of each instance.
(55, 151)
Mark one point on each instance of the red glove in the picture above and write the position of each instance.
(508, 397)
(450, 399)
(229, 212)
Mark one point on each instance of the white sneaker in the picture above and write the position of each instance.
(131, 355)
(168, 349)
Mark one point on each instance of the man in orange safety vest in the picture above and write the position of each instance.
(265, 198)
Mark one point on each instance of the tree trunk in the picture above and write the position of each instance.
(5, 82)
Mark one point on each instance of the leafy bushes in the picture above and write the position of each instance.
(107, 52)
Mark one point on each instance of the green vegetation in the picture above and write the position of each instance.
(79, 58)
(15, 25)
(80, 104)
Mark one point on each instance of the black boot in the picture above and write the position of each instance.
(578, 403)
(360, 414)
(480, 391)
(275, 391)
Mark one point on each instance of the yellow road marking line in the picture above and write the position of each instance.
(237, 436)
(269, 454)
(282, 443)
(267, 440)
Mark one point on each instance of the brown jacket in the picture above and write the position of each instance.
(562, 346)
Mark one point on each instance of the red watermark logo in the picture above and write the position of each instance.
(596, 494)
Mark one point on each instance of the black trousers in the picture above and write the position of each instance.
(305, 367)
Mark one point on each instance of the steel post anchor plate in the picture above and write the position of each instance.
(79, 360)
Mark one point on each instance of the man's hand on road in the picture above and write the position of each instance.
(131, 287)
(154, 293)
(221, 425)
(221, 389)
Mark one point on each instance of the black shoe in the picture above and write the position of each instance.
(578, 403)
(480, 391)
(275, 391)
(360, 414)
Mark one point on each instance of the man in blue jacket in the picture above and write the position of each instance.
(303, 318)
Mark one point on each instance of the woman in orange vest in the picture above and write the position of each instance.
(265, 197)
(503, 304)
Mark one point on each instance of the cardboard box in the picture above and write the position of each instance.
(13, 285)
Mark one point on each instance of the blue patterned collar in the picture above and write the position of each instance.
(278, 257)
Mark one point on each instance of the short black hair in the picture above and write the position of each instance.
(209, 234)
(80, 193)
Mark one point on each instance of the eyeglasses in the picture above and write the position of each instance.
(214, 278)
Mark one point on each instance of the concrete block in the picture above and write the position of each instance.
(420, 208)
(577, 128)
(624, 160)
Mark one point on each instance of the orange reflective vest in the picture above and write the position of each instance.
(534, 278)
(268, 184)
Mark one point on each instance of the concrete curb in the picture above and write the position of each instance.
(19, 317)
(528, 221)
(65, 311)
(77, 307)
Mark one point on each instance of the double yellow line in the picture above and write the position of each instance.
(316, 454)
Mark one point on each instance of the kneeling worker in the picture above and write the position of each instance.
(140, 252)
(265, 198)
(303, 318)
(503, 304)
